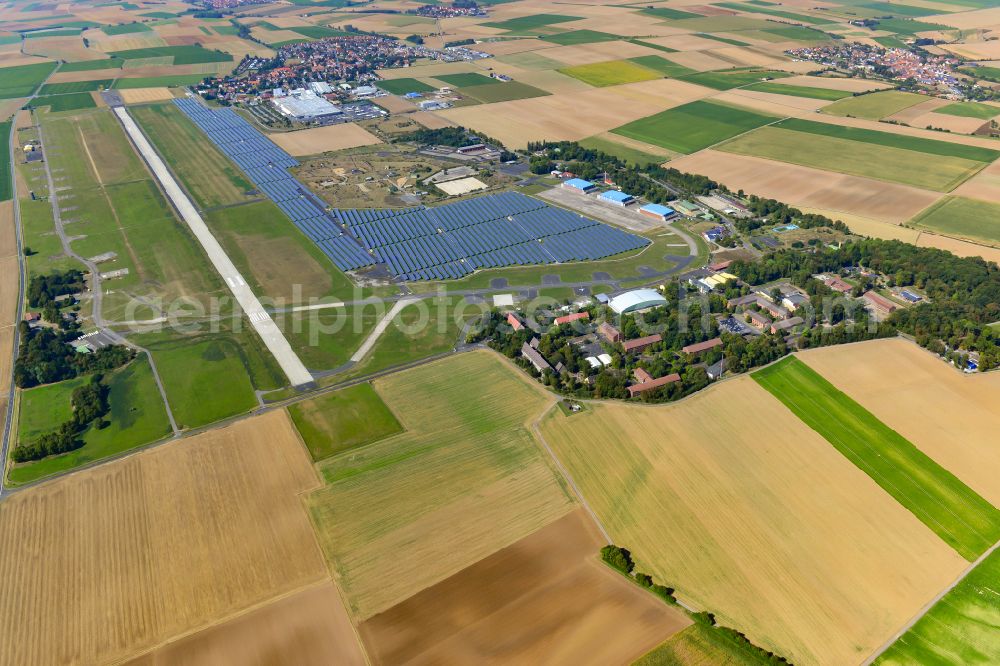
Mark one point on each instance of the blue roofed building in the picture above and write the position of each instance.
(579, 184)
(658, 211)
(617, 198)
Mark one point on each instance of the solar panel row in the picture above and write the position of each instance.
(266, 165)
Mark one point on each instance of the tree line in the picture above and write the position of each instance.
(45, 356)
(90, 404)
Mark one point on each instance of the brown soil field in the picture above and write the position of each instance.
(514, 46)
(803, 186)
(549, 597)
(984, 185)
(8, 290)
(700, 61)
(6, 353)
(307, 628)
(432, 69)
(742, 56)
(750, 514)
(592, 111)
(15, 59)
(8, 242)
(950, 416)
(911, 113)
(140, 95)
(395, 104)
(865, 226)
(8, 107)
(850, 85)
(959, 124)
(781, 105)
(115, 560)
(976, 50)
(23, 120)
(431, 120)
(625, 24)
(65, 48)
(980, 18)
(324, 139)
(553, 82)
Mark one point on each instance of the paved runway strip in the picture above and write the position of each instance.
(259, 318)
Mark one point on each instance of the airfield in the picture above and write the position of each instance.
(298, 469)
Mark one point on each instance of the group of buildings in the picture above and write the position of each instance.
(658, 212)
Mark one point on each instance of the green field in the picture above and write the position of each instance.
(157, 81)
(691, 127)
(959, 629)
(136, 417)
(891, 42)
(662, 66)
(799, 91)
(318, 31)
(505, 92)
(758, 9)
(970, 110)
(875, 106)
(88, 65)
(728, 79)
(612, 73)
(22, 80)
(982, 72)
(902, 26)
(668, 14)
(898, 9)
(467, 79)
(856, 158)
(651, 45)
(343, 420)
(724, 40)
(403, 86)
(74, 87)
(68, 102)
(533, 22)
(125, 28)
(465, 479)
(919, 144)
(622, 152)
(962, 217)
(701, 645)
(182, 55)
(576, 37)
(952, 510)
(798, 33)
(6, 173)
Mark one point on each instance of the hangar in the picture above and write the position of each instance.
(657, 211)
(616, 197)
(637, 299)
(305, 105)
(579, 184)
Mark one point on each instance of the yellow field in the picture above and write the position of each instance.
(143, 95)
(464, 480)
(112, 561)
(753, 516)
(950, 416)
(324, 139)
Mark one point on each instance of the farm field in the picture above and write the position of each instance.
(546, 594)
(978, 221)
(725, 80)
(634, 152)
(780, 536)
(952, 510)
(169, 80)
(324, 139)
(137, 417)
(307, 628)
(700, 645)
(342, 420)
(962, 442)
(21, 80)
(960, 628)
(970, 110)
(404, 85)
(532, 22)
(856, 158)
(464, 480)
(179, 55)
(466, 80)
(875, 106)
(66, 102)
(6, 182)
(126, 567)
(611, 73)
(693, 126)
(810, 92)
(74, 87)
(146, 95)
(506, 92)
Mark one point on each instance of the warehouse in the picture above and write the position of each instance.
(579, 184)
(658, 212)
(305, 105)
(638, 299)
(617, 198)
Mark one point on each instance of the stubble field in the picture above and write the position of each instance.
(324, 139)
(112, 561)
(767, 526)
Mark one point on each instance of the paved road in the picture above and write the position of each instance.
(269, 332)
(380, 328)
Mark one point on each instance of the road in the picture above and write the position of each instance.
(380, 328)
(269, 332)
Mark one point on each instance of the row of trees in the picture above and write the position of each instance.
(45, 289)
(90, 403)
(45, 356)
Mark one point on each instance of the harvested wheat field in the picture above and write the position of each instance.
(6, 353)
(910, 114)
(8, 241)
(549, 597)
(8, 107)
(984, 185)
(804, 186)
(464, 480)
(324, 139)
(143, 95)
(849, 85)
(394, 104)
(774, 531)
(8, 289)
(514, 46)
(87, 75)
(593, 111)
(431, 120)
(781, 105)
(112, 561)
(307, 628)
(950, 416)
(599, 52)
(864, 226)
(958, 247)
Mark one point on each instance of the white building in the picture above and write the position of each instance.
(320, 87)
(305, 105)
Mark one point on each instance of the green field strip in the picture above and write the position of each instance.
(531, 22)
(22, 80)
(668, 14)
(75, 87)
(403, 86)
(65, 102)
(757, 9)
(904, 141)
(959, 629)
(506, 92)
(6, 184)
(952, 510)
(575, 37)
(897, 9)
(651, 45)
(736, 78)
(614, 72)
(347, 419)
(319, 32)
(182, 55)
(970, 110)
(875, 105)
(88, 65)
(902, 26)
(982, 72)
(799, 91)
(691, 127)
(724, 40)
(662, 66)
(125, 29)
(961, 217)
(466, 79)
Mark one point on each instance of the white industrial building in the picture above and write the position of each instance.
(320, 87)
(637, 299)
(305, 105)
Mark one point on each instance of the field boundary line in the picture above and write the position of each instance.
(928, 606)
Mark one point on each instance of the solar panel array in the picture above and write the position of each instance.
(267, 166)
(491, 231)
(448, 241)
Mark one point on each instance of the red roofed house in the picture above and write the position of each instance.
(720, 265)
(699, 347)
(880, 303)
(514, 322)
(609, 332)
(640, 344)
(565, 319)
(642, 376)
(837, 284)
(636, 389)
